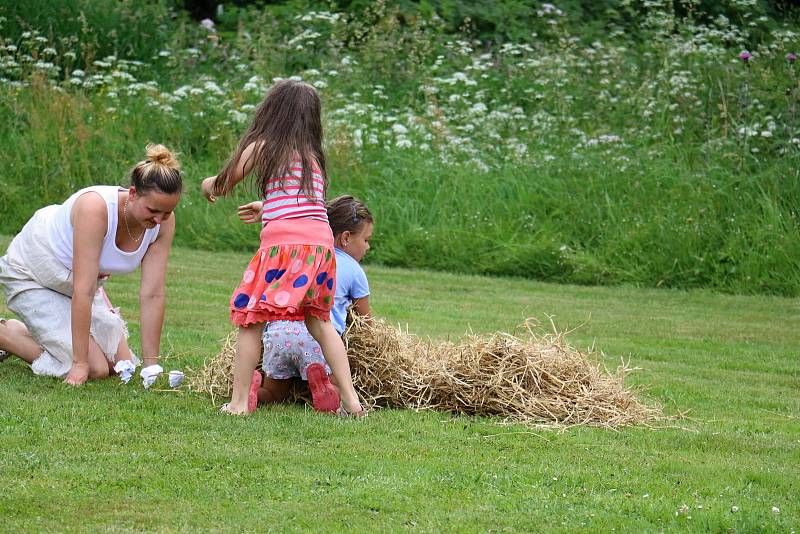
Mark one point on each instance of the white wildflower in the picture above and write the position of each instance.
(213, 87)
(478, 108)
(238, 116)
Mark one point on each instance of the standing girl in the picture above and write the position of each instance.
(293, 274)
(288, 350)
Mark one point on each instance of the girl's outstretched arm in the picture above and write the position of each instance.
(242, 168)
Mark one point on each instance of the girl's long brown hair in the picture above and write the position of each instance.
(286, 125)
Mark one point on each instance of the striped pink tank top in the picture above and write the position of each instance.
(290, 201)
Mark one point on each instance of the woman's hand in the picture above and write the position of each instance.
(207, 186)
(78, 374)
(251, 213)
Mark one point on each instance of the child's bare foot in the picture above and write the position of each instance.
(252, 395)
(351, 408)
(323, 394)
(229, 409)
(344, 412)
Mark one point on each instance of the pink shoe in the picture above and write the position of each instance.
(323, 394)
(252, 395)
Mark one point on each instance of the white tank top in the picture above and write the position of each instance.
(112, 259)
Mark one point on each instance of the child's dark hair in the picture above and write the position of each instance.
(286, 125)
(160, 171)
(347, 214)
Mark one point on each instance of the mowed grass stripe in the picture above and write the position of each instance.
(119, 457)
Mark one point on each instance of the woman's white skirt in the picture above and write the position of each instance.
(39, 288)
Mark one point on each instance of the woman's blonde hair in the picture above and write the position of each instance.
(160, 170)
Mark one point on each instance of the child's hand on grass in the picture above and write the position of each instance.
(251, 213)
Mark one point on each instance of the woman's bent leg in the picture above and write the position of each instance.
(98, 363)
(336, 356)
(15, 338)
(123, 353)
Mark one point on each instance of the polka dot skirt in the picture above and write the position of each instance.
(286, 282)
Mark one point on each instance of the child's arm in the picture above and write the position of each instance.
(361, 307)
(239, 170)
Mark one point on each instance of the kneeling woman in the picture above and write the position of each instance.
(55, 267)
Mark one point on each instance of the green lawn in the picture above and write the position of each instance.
(116, 457)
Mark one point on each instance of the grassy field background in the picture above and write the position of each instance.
(116, 457)
(631, 145)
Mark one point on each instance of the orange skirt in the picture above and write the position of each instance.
(287, 281)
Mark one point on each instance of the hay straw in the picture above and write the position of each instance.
(215, 378)
(536, 379)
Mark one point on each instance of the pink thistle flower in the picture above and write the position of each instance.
(745, 56)
(791, 57)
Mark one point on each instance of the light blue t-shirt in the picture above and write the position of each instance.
(351, 284)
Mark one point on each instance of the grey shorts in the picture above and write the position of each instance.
(289, 349)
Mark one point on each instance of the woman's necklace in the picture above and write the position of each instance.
(128, 228)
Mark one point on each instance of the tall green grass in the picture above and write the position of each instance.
(661, 160)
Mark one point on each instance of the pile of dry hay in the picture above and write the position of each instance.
(535, 379)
